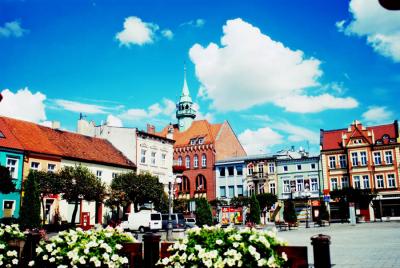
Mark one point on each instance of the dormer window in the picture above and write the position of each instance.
(201, 140)
(357, 141)
(2, 135)
(192, 141)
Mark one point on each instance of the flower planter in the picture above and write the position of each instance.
(134, 253)
(18, 245)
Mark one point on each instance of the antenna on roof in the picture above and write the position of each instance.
(81, 116)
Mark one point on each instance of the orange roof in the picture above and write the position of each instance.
(198, 129)
(41, 139)
(9, 140)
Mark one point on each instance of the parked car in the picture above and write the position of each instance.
(190, 222)
(178, 221)
(142, 221)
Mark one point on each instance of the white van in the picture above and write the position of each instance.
(142, 221)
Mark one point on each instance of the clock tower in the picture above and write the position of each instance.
(184, 108)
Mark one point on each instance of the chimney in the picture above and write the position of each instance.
(55, 125)
(151, 129)
(170, 134)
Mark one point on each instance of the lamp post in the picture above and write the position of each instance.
(171, 183)
(307, 195)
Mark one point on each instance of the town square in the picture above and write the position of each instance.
(199, 133)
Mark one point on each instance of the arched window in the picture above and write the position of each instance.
(201, 183)
(187, 161)
(196, 161)
(184, 186)
(204, 160)
(180, 161)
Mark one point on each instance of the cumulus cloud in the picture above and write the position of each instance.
(158, 112)
(298, 133)
(314, 104)
(23, 104)
(12, 29)
(200, 115)
(377, 115)
(79, 107)
(381, 27)
(114, 121)
(252, 69)
(258, 141)
(194, 23)
(138, 32)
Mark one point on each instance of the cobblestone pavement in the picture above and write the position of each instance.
(363, 245)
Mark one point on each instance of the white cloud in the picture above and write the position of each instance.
(23, 105)
(12, 29)
(200, 116)
(377, 115)
(253, 69)
(315, 104)
(167, 33)
(158, 112)
(259, 141)
(381, 27)
(298, 133)
(194, 23)
(79, 107)
(114, 121)
(137, 32)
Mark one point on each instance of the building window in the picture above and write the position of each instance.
(379, 181)
(299, 184)
(240, 190)
(250, 170)
(260, 170)
(334, 184)
(271, 167)
(222, 171)
(391, 181)
(354, 159)
(35, 165)
(203, 160)
(364, 159)
(163, 158)
(8, 208)
(114, 175)
(298, 167)
(51, 168)
(231, 191)
(196, 161)
(143, 156)
(187, 162)
(222, 191)
(180, 161)
(201, 183)
(377, 158)
(153, 158)
(230, 171)
(285, 168)
(366, 181)
(12, 165)
(313, 166)
(332, 162)
(184, 186)
(192, 141)
(356, 182)
(286, 186)
(99, 173)
(388, 157)
(200, 141)
(342, 161)
(314, 185)
(239, 170)
(345, 182)
(272, 187)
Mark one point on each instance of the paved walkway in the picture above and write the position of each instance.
(363, 245)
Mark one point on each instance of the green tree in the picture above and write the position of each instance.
(30, 210)
(48, 183)
(289, 212)
(255, 211)
(240, 201)
(266, 201)
(7, 185)
(218, 203)
(323, 212)
(203, 212)
(80, 184)
(180, 205)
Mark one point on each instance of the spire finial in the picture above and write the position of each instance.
(185, 89)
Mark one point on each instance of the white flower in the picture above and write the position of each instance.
(31, 263)
(97, 263)
(82, 260)
(284, 256)
(219, 242)
(114, 257)
(118, 246)
(45, 257)
(62, 266)
(261, 262)
(15, 261)
(52, 259)
(2, 246)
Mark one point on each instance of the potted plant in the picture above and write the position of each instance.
(225, 247)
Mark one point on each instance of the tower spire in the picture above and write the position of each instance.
(185, 89)
(185, 112)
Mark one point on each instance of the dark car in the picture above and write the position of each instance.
(178, 221)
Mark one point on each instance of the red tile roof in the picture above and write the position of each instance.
(199, 128)
(9, 140)
(332, 139)
(41, 139)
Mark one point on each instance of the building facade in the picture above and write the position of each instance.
(230, 179)
(364, 158)
(260, 173)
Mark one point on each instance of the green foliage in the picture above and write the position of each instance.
(162, 206)
(6, 182)
(48, 183)
(266, 200)
(180, 205)
(30, 210)
(203, 212)
(239, 201)
(361, 196)
(218, 202)
(289, 212)
(323, 212)
(254, 210)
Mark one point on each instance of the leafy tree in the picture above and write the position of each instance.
(323, 212)
(218, 202)
(162, 206)
(7, 185)
(30, 210)
(203, 212)
(266, 201)
(79, 183)
(289, 212)
(117, 199)
(180, 205)
(239, 201)
(254, 210)
(48, 183)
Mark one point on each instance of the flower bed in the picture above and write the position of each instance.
(77, 248)
(230, 247)
(11, 239)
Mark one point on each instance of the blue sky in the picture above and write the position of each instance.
(278, 71)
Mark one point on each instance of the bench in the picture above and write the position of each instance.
(321, 223)
(282, 226)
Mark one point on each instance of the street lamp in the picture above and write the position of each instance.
(171, 184)
(307, 194)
